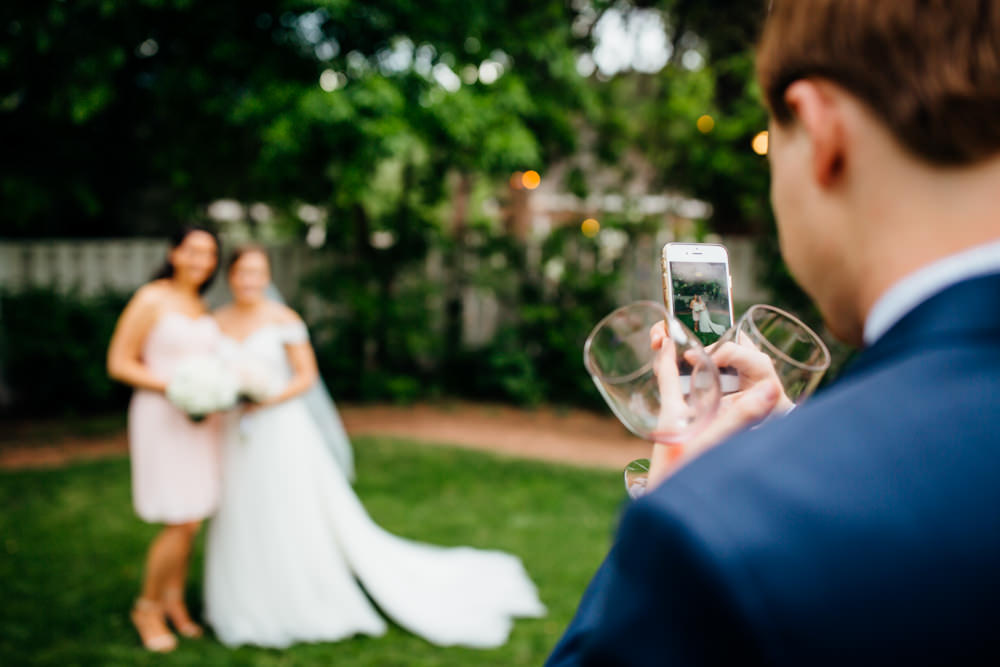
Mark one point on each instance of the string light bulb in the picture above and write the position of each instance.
(760, 143)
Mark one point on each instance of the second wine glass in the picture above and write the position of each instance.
(787, 350)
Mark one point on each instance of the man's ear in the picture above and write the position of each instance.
(815, 106)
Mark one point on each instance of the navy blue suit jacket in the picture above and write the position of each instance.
(862, 529)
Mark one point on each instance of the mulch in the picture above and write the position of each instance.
(569, 436)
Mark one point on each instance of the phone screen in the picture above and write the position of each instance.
(701, 298)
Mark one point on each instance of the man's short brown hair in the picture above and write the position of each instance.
(929, 69)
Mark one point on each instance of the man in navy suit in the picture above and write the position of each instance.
(864, 527)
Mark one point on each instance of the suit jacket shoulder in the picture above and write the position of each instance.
(860, 529)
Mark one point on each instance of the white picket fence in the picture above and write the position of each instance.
(89, 267)
(92, 266)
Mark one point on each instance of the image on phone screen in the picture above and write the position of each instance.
(701, 298)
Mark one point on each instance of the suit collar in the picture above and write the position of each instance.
(969, 309)
(922, 284)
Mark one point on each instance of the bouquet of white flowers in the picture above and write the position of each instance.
(203, 385)
(256, 381)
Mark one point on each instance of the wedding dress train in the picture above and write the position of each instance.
(292, 553)
(705, 323)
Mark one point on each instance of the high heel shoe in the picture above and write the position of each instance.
(155, 639)
(177, 614)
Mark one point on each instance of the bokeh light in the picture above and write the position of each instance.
(490, 71)
(759, 143)
(470, 74)
(590, 227)
(531, 179)
(226, 210)
(705, 124)
(147, 49)
(515, 180)
(331, 80)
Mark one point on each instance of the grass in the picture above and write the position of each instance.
(72, 549)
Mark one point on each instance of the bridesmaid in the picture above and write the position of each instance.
(176, 463)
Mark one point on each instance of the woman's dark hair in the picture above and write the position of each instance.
(177, 238)
(246, 249)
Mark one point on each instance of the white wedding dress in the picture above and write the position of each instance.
(291, 553)
(705, 323)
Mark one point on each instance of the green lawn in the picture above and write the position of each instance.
(71, 554)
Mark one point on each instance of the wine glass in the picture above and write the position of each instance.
(637, 478)
(789, 350)
(664, 395)
(786, 350)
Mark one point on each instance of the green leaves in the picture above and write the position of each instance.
(199, 100)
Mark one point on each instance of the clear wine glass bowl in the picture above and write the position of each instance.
(795, 354)
(662, 395)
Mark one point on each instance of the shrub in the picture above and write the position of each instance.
(400, 339)
(53, 348)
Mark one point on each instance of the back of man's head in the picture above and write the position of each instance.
(928, 69)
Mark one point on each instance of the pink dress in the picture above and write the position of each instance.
(176, 463)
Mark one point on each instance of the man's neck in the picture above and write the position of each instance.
(925, 215)
(925, 282)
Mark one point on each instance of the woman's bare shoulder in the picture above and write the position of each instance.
(150, 296)
(282, 314)
(145, 307)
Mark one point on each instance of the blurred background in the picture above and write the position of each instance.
(454, 192)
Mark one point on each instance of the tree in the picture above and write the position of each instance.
(122, 118)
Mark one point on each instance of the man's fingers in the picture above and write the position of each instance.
(744, 410)
(731, 354)
(693, 357)
(749, 361)
(722, 354)
(749, 408)
(657, 334)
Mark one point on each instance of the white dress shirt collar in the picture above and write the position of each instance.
(925, 282)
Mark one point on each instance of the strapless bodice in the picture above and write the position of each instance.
(176, 337)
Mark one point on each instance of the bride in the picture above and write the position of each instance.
(703, 321)
(291, 555)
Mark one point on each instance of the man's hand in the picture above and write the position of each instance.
(743, 411)
(753, 367)
(758, 397)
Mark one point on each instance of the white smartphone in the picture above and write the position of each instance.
(698, 290)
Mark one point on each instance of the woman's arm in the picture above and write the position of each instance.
(304, 372)
(125, 350)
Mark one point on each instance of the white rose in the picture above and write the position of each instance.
(257, 380)
(202, 385)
